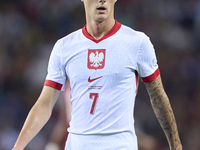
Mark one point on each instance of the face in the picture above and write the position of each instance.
(99, 10)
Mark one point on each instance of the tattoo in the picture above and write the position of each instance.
(164, 112)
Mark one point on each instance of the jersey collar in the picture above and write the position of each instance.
(114, 29)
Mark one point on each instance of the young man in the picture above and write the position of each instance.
(102, 62)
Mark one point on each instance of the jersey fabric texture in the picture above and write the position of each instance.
(103, 76)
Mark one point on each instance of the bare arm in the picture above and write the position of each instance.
(59, 132)
(37, 117)
(164, 112)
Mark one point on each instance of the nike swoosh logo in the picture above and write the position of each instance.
(91, 80)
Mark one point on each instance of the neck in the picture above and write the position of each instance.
(99, 29)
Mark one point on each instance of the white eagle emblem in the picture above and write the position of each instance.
(96, 59)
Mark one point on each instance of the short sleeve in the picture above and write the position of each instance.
(147, 66)
(56, 77)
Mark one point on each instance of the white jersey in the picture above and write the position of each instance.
(103, 76)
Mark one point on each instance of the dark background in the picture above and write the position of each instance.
(29, 29)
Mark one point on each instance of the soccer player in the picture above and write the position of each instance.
(102, 62)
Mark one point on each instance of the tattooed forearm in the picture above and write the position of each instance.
(164, 113)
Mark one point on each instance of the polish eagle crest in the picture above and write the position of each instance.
(96, 59)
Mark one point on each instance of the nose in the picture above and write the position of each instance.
(102, 1)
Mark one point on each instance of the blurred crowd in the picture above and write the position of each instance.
(30, 28)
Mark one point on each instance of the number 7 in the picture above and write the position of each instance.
(95, 95)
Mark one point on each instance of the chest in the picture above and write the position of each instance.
(114, 59)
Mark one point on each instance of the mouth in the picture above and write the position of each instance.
(101, 9)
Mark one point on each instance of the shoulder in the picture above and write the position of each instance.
(133, 36)
(131, 32)
(66, 40)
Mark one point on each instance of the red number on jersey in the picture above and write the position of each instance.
(93, 96)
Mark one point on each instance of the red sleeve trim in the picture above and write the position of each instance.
(53, 84)
(136, 78)
(151, 77)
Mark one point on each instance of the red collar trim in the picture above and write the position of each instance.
(114, 29)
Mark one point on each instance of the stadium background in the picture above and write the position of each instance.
(29, 29)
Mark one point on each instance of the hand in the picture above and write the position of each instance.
(178, 147)
(16, 148)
